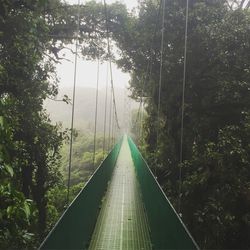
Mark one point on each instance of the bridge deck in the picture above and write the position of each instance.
(122, 222)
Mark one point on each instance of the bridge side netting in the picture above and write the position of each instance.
(167, 229)
(76, 225)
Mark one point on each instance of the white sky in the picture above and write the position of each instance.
(87, 70)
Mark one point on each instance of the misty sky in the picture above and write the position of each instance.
(86, 70)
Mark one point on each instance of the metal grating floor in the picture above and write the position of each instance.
(122, 222)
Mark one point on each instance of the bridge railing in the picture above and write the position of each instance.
(166, 228)
(76, 225)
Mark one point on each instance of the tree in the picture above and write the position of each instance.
(29, 149)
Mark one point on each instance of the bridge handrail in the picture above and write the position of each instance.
(167, 229)
(75, 227)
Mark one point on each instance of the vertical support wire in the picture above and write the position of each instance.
(105, 111)
(141, 125)
(161, 69)
(160, 84)
(96, 107)
(110, 118)
(110, 63)
(183, 107)
(147, 76)
(113, 128)
(73, 104)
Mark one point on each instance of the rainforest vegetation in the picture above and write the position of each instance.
(215, 194)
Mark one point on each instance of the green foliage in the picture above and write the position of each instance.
(220, 171)
(16, 215)
(82, 158)
(30, 145)
(16, 212)
(215, 192)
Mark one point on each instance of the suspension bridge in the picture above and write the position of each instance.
(122, 206)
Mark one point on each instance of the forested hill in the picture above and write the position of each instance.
(85, 107)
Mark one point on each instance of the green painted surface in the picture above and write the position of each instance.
(122, 222)
(167, 229)
(75, 227)
(134, 213)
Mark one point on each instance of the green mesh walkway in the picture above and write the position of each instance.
(121, 207)
(122, 222)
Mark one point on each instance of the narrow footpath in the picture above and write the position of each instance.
(122, 223)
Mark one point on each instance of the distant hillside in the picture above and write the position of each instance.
(85, 107)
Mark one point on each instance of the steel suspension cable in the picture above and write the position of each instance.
(110, 118)
(110, 63)
(96, 107)
(147, 76)
(149, 63)
(183, 105)
(141, 124)
(112, 129)
(138, 112)
(113, 92)
(161, 69)
(105, 111)
(73, 104)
